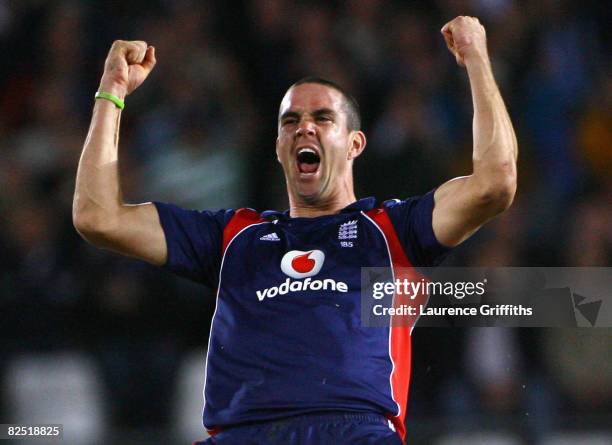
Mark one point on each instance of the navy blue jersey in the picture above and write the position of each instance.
(286, 336)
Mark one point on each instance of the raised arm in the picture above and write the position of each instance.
(98, 212)
(464, 204)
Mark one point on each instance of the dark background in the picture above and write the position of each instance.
(200, 133)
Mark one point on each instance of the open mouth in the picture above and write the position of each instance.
(308, 160)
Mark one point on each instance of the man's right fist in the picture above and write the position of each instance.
(127, 65)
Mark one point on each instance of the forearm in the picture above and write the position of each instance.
(97, 195)
(495, 145)
(464, 204)
(98, 211)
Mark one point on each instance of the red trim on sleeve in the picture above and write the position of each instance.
(380, 217)
(400, 348)
(241, 219)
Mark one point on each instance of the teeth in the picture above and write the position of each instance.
(306, 150)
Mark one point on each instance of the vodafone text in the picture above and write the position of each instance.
(302, 285)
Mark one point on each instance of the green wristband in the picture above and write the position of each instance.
(114, 99)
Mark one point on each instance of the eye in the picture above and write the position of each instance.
(288, 121)
(323, 118)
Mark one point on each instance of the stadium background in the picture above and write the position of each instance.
(117, 346)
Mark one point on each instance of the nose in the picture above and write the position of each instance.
(306, 128)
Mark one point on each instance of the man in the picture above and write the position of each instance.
(288, 358)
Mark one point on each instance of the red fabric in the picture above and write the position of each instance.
(241, 219)
(214, 431)
(400, 328)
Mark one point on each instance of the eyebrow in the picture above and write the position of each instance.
(322, 111)
(315, 113)
(287, 114)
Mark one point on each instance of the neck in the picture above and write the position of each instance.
(300, 207)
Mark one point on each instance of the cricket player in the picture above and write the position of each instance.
(289, 361)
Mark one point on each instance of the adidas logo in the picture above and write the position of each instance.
(270, 237)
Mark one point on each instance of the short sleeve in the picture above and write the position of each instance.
(411, 219)
(194, 241)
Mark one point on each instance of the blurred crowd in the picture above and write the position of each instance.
(200, 133)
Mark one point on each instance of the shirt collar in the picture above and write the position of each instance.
(363, 204)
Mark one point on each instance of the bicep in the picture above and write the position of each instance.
(138, 233)
(461, 208)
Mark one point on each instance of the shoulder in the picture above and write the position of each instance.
(427, 199)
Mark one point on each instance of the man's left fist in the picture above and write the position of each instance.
(466, 39)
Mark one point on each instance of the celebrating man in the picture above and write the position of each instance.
(289, 360)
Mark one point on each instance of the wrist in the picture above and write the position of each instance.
(113, 88)
(119, 103)
(476, 59)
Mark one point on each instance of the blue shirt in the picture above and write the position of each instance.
(286, 336)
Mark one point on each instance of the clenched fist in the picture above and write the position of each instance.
(466, 39)
(127, 65)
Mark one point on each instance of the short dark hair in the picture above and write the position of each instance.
(351, 107)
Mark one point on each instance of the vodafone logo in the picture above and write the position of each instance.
(298, 264)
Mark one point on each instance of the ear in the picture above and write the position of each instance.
(277, 156)
(358, 143)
